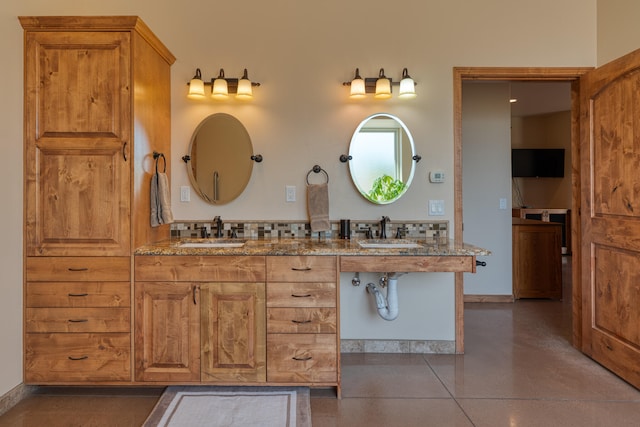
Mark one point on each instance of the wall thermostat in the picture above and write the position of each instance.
(436, 176)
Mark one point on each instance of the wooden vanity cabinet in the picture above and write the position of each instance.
(96, 106)
(302, 320)
(200, 319)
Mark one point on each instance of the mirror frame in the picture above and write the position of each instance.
(414, 158)
(245, 175)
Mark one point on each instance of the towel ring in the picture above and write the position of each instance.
(317, 169)
(157, 156)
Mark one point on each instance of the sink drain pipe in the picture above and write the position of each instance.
(387, 306)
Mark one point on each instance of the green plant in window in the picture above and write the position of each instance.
(385, 188)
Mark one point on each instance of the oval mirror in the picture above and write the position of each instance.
(220, 161)
(382, 158)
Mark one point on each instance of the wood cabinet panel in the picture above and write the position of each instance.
(302, 320)
(233, 332)
(302, 358)
(83, 269)
(77, 320)
(399, 264)
(68, 358)
(303, 294)
(301, 269)
(78, 294)
(167, 332)
(77, 177)
(200, 268)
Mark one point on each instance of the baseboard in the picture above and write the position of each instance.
(398, 346)
(488, 298)
(15, 395)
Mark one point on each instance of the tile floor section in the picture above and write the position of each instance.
(519, 370)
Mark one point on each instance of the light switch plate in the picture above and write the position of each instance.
(290, 193)
(436, 207)
(185, 193)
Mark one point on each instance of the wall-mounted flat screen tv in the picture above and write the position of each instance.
(537, 162)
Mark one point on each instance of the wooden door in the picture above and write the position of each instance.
(167, 332)
(610, 161)
(77, 131)
(233, 325)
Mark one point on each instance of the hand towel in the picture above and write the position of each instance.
(160, 200)
(318, 206)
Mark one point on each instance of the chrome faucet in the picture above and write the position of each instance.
(218, 222)
(383, 227)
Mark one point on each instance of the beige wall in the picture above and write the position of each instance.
(544, 131)
(486, 178)
(618, 29)
(301, 52)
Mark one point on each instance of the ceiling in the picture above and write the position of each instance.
(540, 98)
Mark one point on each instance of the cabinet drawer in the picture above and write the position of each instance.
(77, 269)
(77, 357)
(301, 320)
(302, 358)
(301, 294)
(77, 320)
(78, 294)
(200, 268)
(301, 269)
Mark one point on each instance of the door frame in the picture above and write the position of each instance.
(507, 74)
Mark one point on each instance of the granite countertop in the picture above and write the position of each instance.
(311, 247)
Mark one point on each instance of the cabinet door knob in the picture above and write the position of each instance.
(301, 296)
(301, 322)
(301, 268)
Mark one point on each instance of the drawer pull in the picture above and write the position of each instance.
(78, 358)
(301, 268)
(301, 296)
(78, 269)
(302, 359)
(78, 320)
(301, 322)
(78, 295)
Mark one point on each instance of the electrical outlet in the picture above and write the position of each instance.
(503, 204)
(185, 193)
(290, 193)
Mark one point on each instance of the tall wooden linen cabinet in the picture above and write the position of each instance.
(97, 105)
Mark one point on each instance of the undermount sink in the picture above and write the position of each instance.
(388, 244)
(207, 243)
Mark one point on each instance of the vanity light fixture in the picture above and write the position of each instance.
(196, 86)
(407, 86)
(381, 86)
(357, 86)
(222, 86)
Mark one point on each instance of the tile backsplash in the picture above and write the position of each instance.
(301, 229)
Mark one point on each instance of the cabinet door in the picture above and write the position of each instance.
(77, 131)
(167, 332)
(233, 329)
